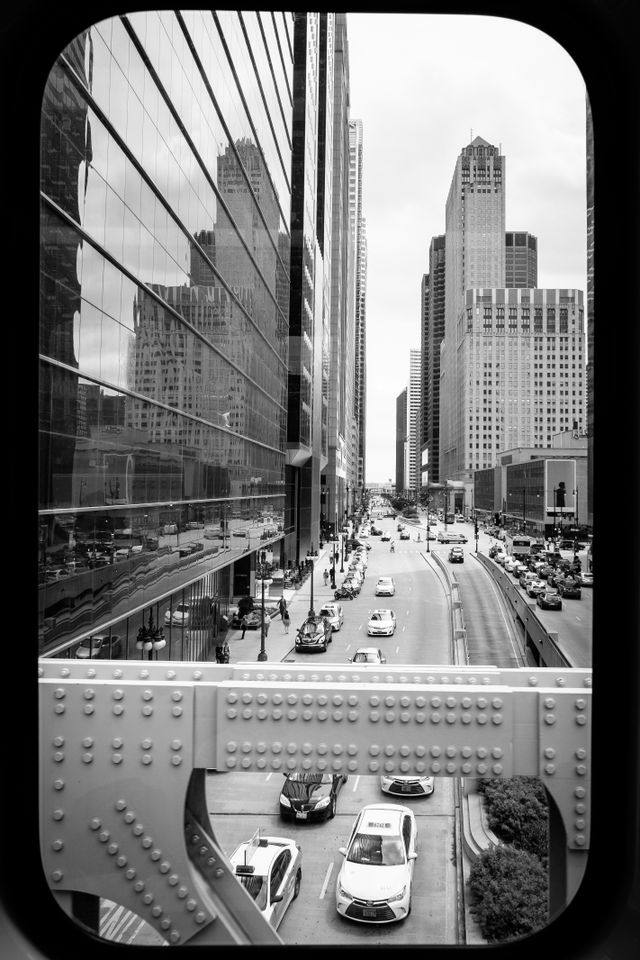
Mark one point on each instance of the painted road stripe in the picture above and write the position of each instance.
(269, 775)
(355, 785)
(397, 649)
(326, 881)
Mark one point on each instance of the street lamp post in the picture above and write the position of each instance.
(262, 656)
(312, 612)
(150, 639)
(524, 507)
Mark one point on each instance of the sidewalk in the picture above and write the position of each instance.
(279, 644)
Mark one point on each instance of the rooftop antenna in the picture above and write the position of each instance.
(471, 135)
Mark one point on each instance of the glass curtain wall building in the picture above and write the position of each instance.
(166, 144)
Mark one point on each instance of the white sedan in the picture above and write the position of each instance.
(270, 870)
(385, 587)
(382, 623)
(368, 655)
(334, 614)
(374, 882)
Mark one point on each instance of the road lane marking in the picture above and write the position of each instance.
(326, 881)
(397, 649)
(269, 775)
(356, 782)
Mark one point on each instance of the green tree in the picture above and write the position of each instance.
(518, 812)
(510, 893)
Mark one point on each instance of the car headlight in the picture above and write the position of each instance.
(285, 802)
(323, 803)
(343, 893)
(398, 896)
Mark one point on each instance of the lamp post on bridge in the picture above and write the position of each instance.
(262, 655)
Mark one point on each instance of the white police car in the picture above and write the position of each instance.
(270, 870)
(374, 883)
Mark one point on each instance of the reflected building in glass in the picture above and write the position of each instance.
(166, 149)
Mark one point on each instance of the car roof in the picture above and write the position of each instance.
(384, 610)
(381, 819)
(385, 579)
(367, 650)
(261, 857)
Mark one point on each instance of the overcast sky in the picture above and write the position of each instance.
(423, 85)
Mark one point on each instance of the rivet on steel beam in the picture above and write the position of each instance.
(147, 711)
(177, 695)
(58, 784)
(146, 842)
(174, 936)
(176, 760)
(57, 875)
(166, 923)
(60, 693)
(130, 873)
(57, 845)
(200, 917)
(116, 758)
(89, 709)
(549, 719)
(182, 892)
(139, 886)
(118, 695)
(104, 836)
(550, 768)
(156, 911)
(58, 756)
(89, 694)
(176, 744)
(164, 867)
(58, 814)
(171, 674)
(121, 861)
(112, 848)
(118, 710)
(173, 879)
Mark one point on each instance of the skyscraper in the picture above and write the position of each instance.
(521, 259)
(402, 439)
(432, 329)
(360, 293)
(474, 257)
(414, 403)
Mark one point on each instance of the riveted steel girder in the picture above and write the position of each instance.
(124, 747)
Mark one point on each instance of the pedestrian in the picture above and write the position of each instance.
(282, 606)
(267, 621)
(286, 620)
(325, 576)
(244, 627)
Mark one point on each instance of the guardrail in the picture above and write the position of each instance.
(541, 641)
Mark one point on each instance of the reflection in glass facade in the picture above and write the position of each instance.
(166, 143)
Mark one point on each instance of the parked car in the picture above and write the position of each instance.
(407, 785)
(314, 634)
(569, 589)
(375, 881)
(101, 646)
(270, 870)
(386, 537)
(456, 555)
(405, 535)
(353, 583)
(451, 537)
(178, 615)
(334, 614)
(547, 600)
(534, 587)
(382, 622)
(585, 579)
(385, 587)
(310, 795)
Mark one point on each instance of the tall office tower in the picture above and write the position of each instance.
(164, 318)
(338, 473)
(414, 403)
(309, 324)
(360, 291)
(402, 440)
(522, 369)
(521, 259)
(432, 322)
(590, 310)
(474, 257)
(423, 451)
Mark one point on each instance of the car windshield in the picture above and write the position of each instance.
(375, 849)
(365, 658)
(256, 887)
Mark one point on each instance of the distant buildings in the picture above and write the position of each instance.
(402, 441)
(512, 361)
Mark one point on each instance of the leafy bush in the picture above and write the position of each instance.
(518, 813)
(509, 888)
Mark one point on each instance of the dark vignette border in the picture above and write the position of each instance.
(603, 920)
